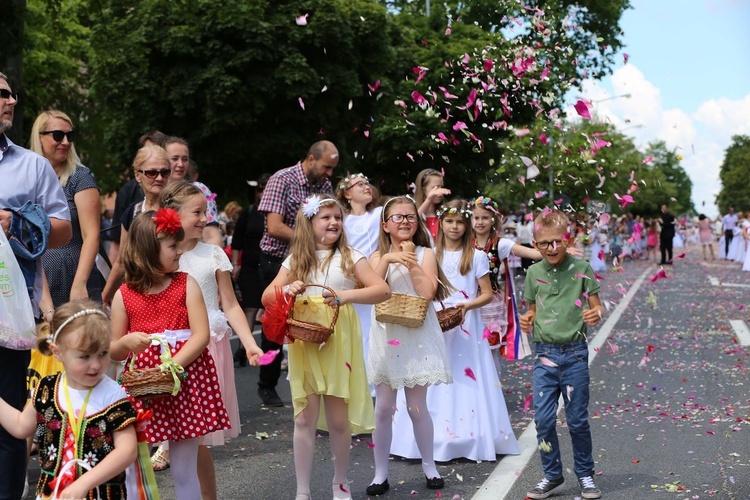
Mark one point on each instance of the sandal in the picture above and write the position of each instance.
(160, 460)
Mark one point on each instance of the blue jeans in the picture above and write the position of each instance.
(571, 379)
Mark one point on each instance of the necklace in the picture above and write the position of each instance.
(490, 248)
(450, 262)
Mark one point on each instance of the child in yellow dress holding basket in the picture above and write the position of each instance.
(334, 367)
(159, 308)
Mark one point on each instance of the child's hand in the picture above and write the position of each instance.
(592, 316)
(436, 193)
(253, 353)
(330, 301)
(295, 288)
(575, 252)
(527, 321)
(74, 492)
(407, 246)
(137, 341)
(464, 309)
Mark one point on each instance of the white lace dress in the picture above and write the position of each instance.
(407, 357)
(202, 263)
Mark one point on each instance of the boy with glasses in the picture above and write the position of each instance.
(557, 290)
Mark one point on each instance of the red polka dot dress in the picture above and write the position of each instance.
(197, 409)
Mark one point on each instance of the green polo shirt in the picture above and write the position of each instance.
(555, 290)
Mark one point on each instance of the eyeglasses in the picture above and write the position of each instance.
(153, 174)
(544, 245)
(57, 135)
(7, 94)
(399, 218)
(360, 184)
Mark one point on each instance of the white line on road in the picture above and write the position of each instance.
(510, 467)
(741, 330)
(715, 282)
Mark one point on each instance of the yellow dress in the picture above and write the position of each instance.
(336, 368)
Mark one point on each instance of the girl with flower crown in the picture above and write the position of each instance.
(159, 308)
(328, 381)
(82, 418)
(361, 227)
(474, 422)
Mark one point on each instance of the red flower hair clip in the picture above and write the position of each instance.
(167, 220)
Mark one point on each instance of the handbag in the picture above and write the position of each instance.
(17, 326)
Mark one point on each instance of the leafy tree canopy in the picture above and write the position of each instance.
(735, 176)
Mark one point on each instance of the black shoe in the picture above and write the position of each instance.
(434, 483)
(378, 489)
(240, 356)
(545, 488)
(588, 488)
(269, 396)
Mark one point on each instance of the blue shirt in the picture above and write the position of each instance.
(27, 176)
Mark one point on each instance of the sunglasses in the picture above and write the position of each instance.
(7, 94)
(57, 135)
(153, 174)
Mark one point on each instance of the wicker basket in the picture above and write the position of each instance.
(151, 383)
(312, 332)
(402, 309)
(449, 317)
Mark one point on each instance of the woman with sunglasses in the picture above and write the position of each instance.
(152, 171)
(70, 269)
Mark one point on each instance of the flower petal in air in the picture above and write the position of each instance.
(542, 281)
(470, 373)
(582, 108)
(302, 20)
(301, 103)
(394, 342)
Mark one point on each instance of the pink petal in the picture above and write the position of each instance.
(447, 31)
(348, 365)
(542, 281)
(301, 103)
(394, 342)
(625, 58)
(470, 373)
(527, 403)
(548, 362)
(582, 107)
(370, 444)
(268, 357)
(302, 20)
(579, 303)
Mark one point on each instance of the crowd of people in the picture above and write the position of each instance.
(407, 299)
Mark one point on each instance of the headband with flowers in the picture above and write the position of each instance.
(486, 203)
(167, 221)
(444, 210)
(345, 181)
(311, 206)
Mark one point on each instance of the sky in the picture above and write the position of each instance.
(688, 76)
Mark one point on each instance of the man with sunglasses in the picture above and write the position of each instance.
(26, 176)
(283, 195)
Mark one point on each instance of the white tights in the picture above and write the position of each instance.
(385, 407)
(337, 419)
(183, 461)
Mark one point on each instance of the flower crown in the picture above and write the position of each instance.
(486, 203)
(167, 221)
(445, 210)
(345, 180)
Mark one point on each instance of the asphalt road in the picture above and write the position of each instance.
(669, 407)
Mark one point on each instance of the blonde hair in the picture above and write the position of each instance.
(302, 247)
(146, 153)
(94, 336)
(467, 248)
(232, 208)
(421, 238)
(422, 178)
(177, 194)
(35, 143)
(552, 219)
(140, 253)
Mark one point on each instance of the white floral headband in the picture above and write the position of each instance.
(345, 181)
(314, 203)
(444, 210)
(53, 338)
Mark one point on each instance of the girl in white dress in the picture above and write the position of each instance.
(401, 357)
(470, 414)
(211, 268)
(362, 228)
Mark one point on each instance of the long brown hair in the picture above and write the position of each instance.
(460, 208)
(422, 178)
(302, 247)
(421, 238)
(176, 194)
(140, 254)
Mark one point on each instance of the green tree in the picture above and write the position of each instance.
(735, 176)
